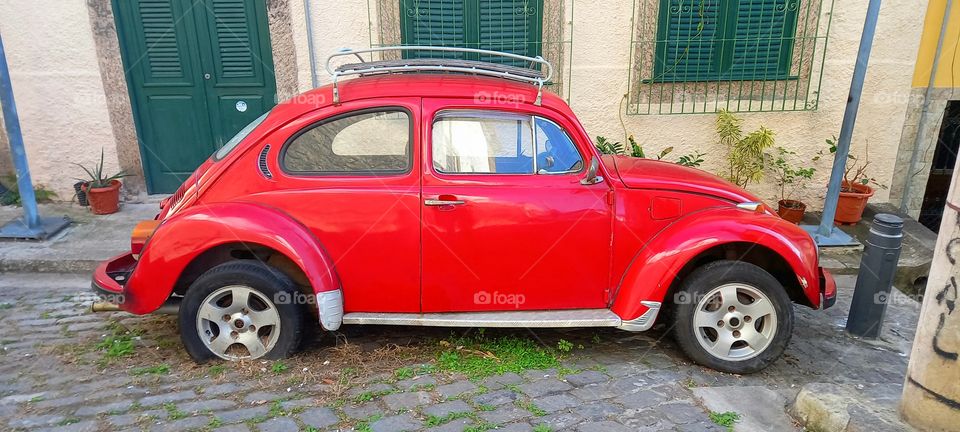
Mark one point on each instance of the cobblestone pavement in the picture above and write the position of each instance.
(56, 373)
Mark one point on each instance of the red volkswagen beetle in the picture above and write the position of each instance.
(443, 198)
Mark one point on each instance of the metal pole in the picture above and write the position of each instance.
(826, 229)
(310, 51)
(924, 113)
(12, 122)
(31, 226)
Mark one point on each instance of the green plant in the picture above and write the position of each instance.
(542, 428)
(789, 178)
(745, 154)
(173, 413)
(216, 370)
(480, 356)
(725, 419)
(636, 150)
(403, 373)
(692, 160)
(161, 369)
(278, 368)
(564, 346)
(97, 179)
(532, 407)
(854, 166)
(12, 194)
(606, 146)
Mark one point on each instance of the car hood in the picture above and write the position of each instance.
(640, 173)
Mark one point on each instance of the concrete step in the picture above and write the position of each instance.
(89, 240)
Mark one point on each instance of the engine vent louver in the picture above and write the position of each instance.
(262, 162)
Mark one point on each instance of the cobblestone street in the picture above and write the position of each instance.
(64, 368)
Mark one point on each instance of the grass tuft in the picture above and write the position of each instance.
(725, 419)
(480, 356)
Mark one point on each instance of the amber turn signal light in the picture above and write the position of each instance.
(141, 233)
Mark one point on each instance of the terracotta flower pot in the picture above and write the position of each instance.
(791, 210)
(853, 199)
(104, 200)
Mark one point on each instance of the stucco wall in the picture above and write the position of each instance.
(58, 89)
(600, 52)
(600, 61)
(64, 112)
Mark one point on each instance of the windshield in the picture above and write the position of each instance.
(230, 145)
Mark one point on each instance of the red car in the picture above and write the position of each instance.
(452, 199)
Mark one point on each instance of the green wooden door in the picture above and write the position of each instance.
(198, 71)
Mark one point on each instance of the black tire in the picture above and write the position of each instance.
(261, 278)
(717, 274)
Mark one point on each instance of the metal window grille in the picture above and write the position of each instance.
(525, 27)
(702, 56)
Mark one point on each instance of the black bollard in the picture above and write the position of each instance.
(877, 266)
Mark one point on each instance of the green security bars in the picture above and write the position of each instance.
(701, 56)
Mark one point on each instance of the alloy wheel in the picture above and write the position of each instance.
(735, 322)
(237, 322)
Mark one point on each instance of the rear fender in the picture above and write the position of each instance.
(657, 264)
(183, 237)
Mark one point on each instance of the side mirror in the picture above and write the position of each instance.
(592, 177)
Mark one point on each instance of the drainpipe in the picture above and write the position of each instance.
(310, 52)
(924, 113)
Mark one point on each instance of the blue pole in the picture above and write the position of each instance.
(849, 120)
(12, 123)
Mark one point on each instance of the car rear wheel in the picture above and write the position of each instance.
(241, 310)
(733, 317)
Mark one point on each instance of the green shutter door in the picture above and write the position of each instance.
(500, 25)
(236, 53)
(188, 65)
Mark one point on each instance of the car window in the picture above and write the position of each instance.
(222, 152)
(362, 143)
(501, 143)
(556, 152)
(483, 144)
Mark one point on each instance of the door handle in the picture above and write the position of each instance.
(441, 202)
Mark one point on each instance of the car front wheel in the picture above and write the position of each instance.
(733, 316)
(241, 310)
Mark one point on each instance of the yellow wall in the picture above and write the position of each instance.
(948, 71)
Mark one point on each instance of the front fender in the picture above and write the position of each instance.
(656, 265)
(183, 237)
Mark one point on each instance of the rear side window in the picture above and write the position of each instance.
(362, 143)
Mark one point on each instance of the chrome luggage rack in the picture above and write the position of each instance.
(531, 74)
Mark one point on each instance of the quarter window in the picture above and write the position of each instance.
(494, 143)
(364, 143)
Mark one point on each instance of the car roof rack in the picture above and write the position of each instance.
(531, 74)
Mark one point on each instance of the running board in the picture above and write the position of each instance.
(559, 318)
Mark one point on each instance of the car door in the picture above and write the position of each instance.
(351, 174)
(506, 222)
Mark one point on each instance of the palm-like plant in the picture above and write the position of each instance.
(745, 154)
(96, 178)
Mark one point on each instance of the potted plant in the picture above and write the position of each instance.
(103, 192)
(790, 179)
(855, 190)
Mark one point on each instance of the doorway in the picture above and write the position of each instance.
(197, 72)
(941, 168)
